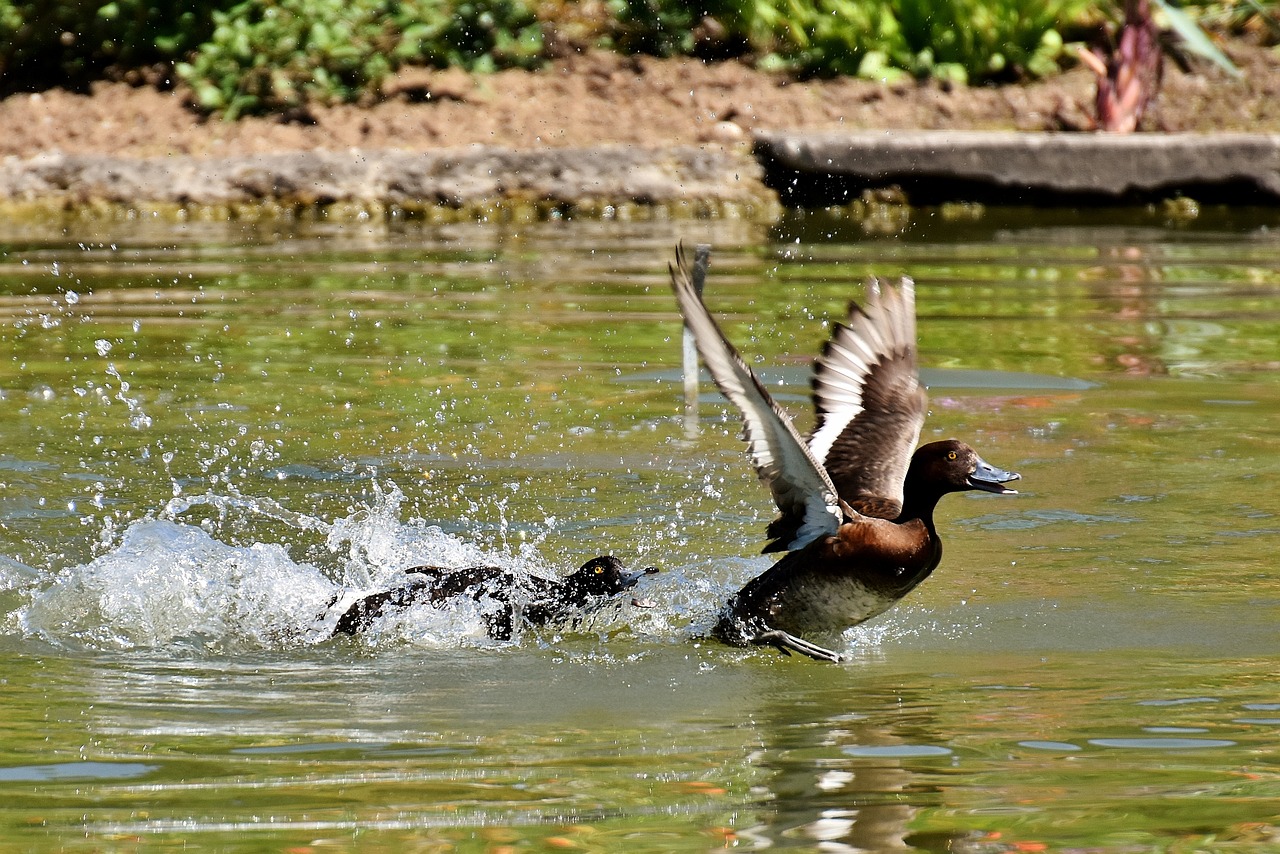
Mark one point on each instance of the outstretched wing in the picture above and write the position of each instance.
(804, 494)
(869, 401)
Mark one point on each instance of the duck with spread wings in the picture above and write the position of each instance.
(855, 503)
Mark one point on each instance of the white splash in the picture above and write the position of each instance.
(169, 583)
(174, 582)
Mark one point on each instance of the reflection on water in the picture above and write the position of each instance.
(214, 429)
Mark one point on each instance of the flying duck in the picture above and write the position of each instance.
(855, 503)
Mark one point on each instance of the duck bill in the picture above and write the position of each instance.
(988, 478)
(629, 580)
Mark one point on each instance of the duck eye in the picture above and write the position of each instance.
(951, 455)
(599, 570)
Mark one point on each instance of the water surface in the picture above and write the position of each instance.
(212, 429)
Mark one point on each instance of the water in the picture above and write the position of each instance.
(212, 429)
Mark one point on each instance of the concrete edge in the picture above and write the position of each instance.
(450, 178)
(1021, 168)
(799, 169)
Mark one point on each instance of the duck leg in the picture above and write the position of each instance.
(787, 643)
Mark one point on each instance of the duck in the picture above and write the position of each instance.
(533, 600)
(855, 497)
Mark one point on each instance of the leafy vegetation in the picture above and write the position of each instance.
(656, 28)
(242, 56)
(1257, 17)
(72, 42)
(279, 55)
(952, 39)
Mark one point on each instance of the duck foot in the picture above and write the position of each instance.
(787, 644)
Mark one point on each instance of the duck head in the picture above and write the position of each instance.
(604, 576)
(952, 466)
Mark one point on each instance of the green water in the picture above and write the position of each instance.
(211, 427)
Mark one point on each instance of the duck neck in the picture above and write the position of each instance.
(920, 497)
(552, 603)
(919, 500)
(567, 595)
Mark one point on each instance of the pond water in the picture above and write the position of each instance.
(212, 429)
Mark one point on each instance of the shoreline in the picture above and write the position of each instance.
(598, 134)
(773, 171)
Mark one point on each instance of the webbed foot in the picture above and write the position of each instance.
(788, 643)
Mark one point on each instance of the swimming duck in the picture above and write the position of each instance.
(855, 503)
(537, 601)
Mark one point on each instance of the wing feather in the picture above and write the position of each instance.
(805, 495)
(869, 401)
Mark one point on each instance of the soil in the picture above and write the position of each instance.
(598, 98)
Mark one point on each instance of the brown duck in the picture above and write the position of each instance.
(856, 505)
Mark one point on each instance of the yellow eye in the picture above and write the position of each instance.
(951, 455)
(599, 569)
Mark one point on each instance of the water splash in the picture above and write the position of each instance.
(227, 504)
(173, 582)
(377, 544)
(138, 419)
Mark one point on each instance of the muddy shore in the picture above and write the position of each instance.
(592, 131)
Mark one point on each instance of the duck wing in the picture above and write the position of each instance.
(869, 400)
(804, 494)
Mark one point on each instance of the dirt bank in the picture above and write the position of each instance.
(81, 147)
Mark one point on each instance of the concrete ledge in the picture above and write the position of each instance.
(800, 169)
(450, 178)
(820, 169)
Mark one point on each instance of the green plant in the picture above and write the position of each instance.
(657, 27)
(1237, 16)
(980, 39)
(479, 35)
(958, 40)
(277, 55)
(252, 56)
(840, 37)
(1194, 38)
(280, 55)
(69, 43)
(951, 39)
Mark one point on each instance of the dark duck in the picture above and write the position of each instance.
(533, 600)
(855, 504)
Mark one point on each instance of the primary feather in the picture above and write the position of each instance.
(805, 496)
(869, 401)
